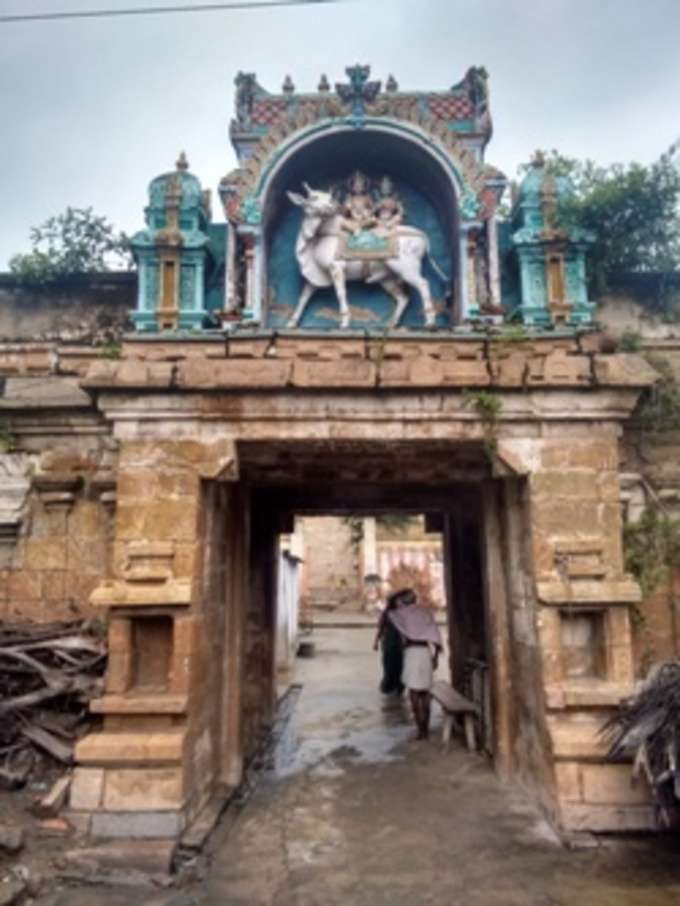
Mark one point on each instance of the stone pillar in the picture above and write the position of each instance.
(580, 620)
(152, 766)
(494, 270)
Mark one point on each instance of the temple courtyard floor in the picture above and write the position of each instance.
(349, 810)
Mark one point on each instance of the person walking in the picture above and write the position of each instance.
(422, 643)
(388, 638)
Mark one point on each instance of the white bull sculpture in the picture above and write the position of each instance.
(317, 247)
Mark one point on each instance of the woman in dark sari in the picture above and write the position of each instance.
(389, 639)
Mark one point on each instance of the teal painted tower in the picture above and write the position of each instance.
(551, 254)
(172, 253)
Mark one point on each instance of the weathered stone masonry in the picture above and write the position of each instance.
(146, 477)
(188, 684)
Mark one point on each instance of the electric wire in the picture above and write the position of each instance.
(155, 10)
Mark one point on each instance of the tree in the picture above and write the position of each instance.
(77, 241)
(634, 211)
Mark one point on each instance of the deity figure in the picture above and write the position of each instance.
(358, 209)
(246, 89)
(389, 210)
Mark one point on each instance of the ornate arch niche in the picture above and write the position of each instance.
(448, 195)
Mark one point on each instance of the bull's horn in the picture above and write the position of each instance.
(305, 186)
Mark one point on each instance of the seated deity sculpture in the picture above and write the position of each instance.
(389, 210)
(358, 208)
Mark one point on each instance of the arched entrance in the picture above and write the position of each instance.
(428, 191)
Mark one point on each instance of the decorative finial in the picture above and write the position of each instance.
(391, 84)
(288, 87)
(182, 162)
(359, 92)
(324, 84)
(538, 160)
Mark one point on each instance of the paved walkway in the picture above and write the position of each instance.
(351, 811)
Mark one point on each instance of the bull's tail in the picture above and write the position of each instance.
(438, 271)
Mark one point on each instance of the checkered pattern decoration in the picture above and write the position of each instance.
(267, 111)
(450, 107)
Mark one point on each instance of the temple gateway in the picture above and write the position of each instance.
(357, 332)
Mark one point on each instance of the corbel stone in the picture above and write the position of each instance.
(221, 461)
(104, 486)
(149, 561)
(57, 490)
(124, 593)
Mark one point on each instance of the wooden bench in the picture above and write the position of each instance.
(455, 705)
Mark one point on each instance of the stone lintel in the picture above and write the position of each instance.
(130, 748)
(591, 693)
(606, 593)
(120, 593)
(140, 704)
(368, 362)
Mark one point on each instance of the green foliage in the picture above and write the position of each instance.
(514, 333)
(651, 545)
(110, 350)
(356, 529)
(659, 409)
(77, 241)
(630, 341)
(632, 209)
(487, 405)
(8, 442)
(395, 523)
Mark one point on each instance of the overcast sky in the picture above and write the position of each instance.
(92, 110)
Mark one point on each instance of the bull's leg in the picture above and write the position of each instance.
(396, 289)
(337, 272)
(413, 277)
(408, 268)
(305, 296)
(423, 288)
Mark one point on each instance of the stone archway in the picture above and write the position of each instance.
(185, 426)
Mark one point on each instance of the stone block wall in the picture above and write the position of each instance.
(57, 497)
(87, 308)
(331, 569)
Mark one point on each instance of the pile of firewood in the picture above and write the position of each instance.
(48, 674)
(647, 727)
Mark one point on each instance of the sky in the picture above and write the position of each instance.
(92, 110)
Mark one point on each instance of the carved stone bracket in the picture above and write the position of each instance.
(57, 490)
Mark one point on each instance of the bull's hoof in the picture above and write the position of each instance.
(344, 323)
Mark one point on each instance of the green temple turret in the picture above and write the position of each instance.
(551, 253)
(171, 253)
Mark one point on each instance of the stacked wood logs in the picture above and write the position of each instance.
(48, 674)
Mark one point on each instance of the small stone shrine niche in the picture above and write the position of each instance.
(361, 207)
(552, 255)
(172, 253)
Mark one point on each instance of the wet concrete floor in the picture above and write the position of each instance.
(354, 811)
(350, 810)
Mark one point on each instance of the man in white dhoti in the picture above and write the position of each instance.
(422, 644)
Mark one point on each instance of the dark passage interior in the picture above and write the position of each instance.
(445, 484)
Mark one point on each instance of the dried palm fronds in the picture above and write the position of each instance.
(647, 726)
